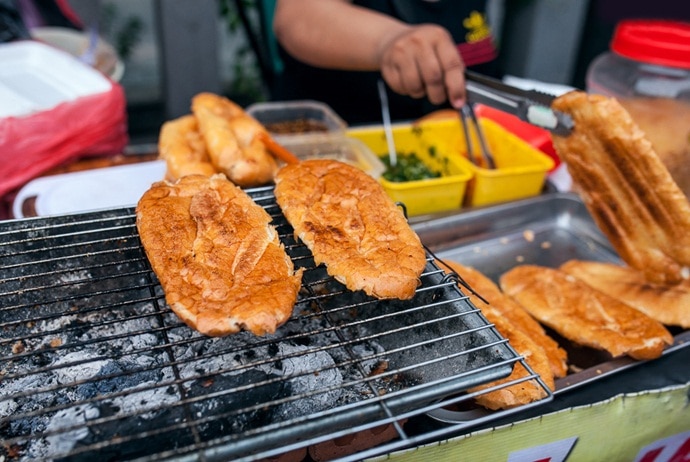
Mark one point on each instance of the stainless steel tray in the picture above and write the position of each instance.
(546, 230)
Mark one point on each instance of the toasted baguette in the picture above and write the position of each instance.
(583, 314)
(626, 187)
(218, 259)
(535, 357)
(511, 311)
(349, 223)
(184, 150)
(233, 140)
(520, 335)
(668, 304)
(665, 124)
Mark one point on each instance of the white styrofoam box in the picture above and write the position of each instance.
(36, 77)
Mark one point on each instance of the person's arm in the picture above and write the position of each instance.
(414, 60)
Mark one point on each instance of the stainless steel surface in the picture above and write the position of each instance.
(546, 230)
(529, 105)
(93, 363)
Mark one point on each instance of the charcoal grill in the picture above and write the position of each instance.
(93, 364)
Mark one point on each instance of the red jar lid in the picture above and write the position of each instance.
(666, 43)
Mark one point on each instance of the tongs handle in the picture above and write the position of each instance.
(529, 105)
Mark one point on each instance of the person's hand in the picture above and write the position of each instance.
(424, 61)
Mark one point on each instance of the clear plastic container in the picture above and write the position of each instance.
(646, 59)
(344, 149)
(298, 120)
(648, 71)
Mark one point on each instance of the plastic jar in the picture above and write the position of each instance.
(646, 58)
(648, 70)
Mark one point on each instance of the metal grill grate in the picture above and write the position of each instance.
(94, 364)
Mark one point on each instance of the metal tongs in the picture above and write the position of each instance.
(469, 119)
(529, 105)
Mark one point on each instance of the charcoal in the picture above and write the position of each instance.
(95, 366)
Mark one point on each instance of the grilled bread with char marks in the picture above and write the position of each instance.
(668, 304)
(512, 312)
(535, 357)
(583, 314)
(349, 223)
(626, 187)
(524, 334)
(218, 258)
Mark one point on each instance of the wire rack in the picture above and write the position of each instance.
(93, 363)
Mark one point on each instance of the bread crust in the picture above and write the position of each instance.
(668, 304)
(524, 392)
(665, 124)
(585, 315)
(524, 334)
(626, 187)
(218, 259)
(232, 140)
(511, 311)
(184, 150)
(349, 223)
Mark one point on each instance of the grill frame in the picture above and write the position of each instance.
(41, 338)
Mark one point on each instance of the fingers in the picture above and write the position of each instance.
(453, 74)
(424, 61)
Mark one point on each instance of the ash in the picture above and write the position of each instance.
(308, 373)
(81, 391)
(126, 381)
(91, 368)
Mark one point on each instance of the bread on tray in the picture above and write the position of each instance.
(523, 392)
(523, 333)
(218, 258)
(626, 187)
(583, 314)
(668, 304)
(512, 311)
(349, 223)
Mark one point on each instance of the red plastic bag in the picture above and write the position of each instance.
(92, 125)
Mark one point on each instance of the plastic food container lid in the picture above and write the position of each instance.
(661, 42)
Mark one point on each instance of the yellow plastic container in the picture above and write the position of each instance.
(520, 168)
(423, 196)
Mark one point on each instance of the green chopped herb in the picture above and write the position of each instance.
(408, 168)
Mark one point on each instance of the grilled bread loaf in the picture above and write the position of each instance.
(349, 223)
(184, 150)
(233, 140)
(524, 334)
(512, 312)
(625, 186)
(219, 260)
(535, 357)
(666, 124)
(583, 314)
(668, 304)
